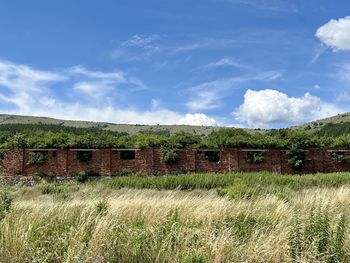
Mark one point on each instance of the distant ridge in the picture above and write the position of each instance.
(129, 128)
(318, 124)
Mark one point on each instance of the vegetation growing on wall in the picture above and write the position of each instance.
(339, 157)
(38, 158)
(256, 157)
(57, 136)
(297, 158)
(168, 155)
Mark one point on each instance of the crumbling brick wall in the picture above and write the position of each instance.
(106, 162)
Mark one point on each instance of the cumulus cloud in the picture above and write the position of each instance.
(208, 95)
(336, 34)
(27, 91)
(267, 107)
(198, 119)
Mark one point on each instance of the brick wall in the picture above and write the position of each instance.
(106, 162)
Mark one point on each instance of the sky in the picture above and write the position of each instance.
(241, 63)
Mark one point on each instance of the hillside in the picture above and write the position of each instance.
(318, 124)
(128, 128)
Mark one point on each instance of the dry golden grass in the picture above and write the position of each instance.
(101, 225)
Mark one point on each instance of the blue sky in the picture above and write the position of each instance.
(245, 63)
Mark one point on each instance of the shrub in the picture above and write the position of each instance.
(84, 156)
(168, 155)
(339, 157)
(81, 176)
(38, 158)
(297, 158)
(255, 157)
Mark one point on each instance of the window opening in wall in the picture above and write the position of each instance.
(255, 156)
(212, 156)
(84, 156)
(127, 155)
(339, 157)
(38, 157)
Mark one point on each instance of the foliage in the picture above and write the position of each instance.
(81, 176)
(256, 157)
(59, 136)
(38, 158)
(339, 157)
(297, 158)
(168, 155)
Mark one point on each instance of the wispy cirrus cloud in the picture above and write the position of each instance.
(137, 47)
(268, 5)
(208, 95)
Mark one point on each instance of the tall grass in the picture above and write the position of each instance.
(100, 222)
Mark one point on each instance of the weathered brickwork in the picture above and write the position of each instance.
(107, 162)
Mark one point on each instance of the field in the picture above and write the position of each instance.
(243, 217)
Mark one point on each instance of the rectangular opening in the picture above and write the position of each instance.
(127, 155)
(212, 156)
(84, 156)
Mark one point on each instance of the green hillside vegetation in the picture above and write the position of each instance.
(58, 136)
(122, 128)
(318, 124)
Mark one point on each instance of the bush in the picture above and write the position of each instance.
(168, 155)
(297, 158)
(339, 157)
(82, 176)
(38, 158)
(255, 157)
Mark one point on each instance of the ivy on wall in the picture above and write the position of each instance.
(256, 157)
(297, 158)
(38, 158)
(169, 155)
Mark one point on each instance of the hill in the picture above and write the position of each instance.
(319, 124)
(128, 128)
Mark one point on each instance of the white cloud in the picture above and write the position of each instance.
(198, 119)
(336, 34)
(208, 95)
(27, 91)
(267, 107)
(229, 62)
(145, 42)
